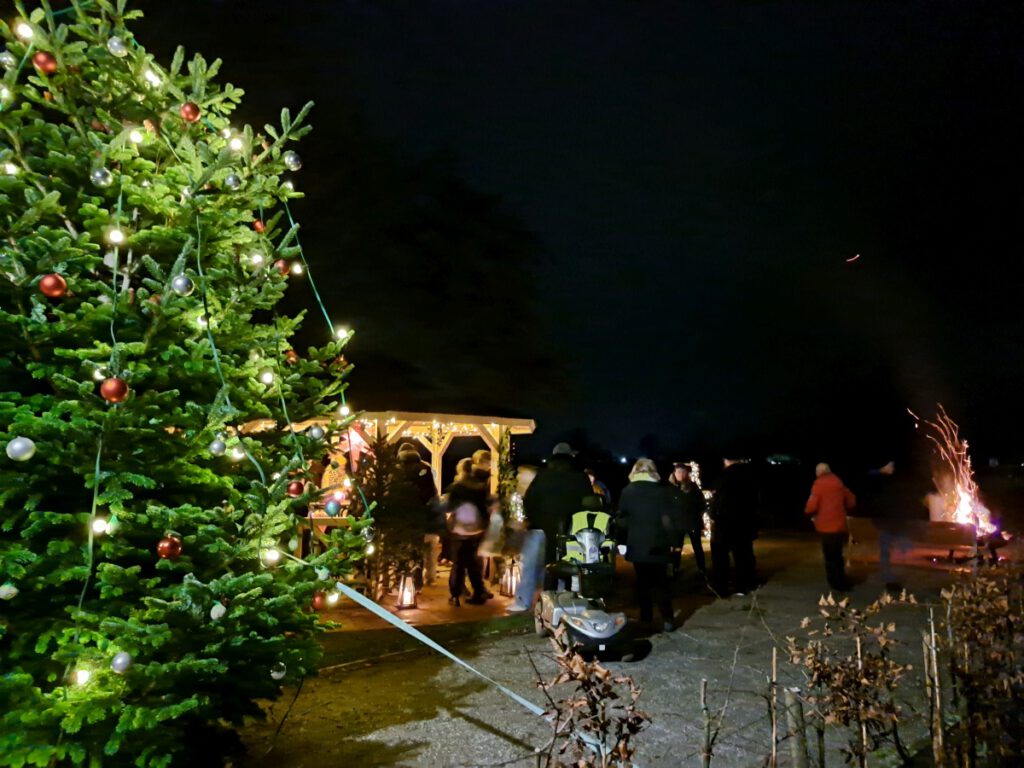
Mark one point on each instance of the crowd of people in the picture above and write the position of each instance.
(651, 522)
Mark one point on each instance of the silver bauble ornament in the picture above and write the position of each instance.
(317, 433)
(293, 544)
(8, 591)
(332, 508)
(232, 181)
(292, 161)
(8, 60)
(217, 611)
(218, 447)
(121, 662)
(21, 449)
(101, 177)
(369, 533)
(117, 47)
(278, 671)
(183, 285)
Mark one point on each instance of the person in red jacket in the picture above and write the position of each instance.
(830, 500)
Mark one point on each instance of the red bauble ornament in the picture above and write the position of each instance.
(53, 285)
(282, 267)
(189, 112)
(169, 548)
(319, 601)
(45, 62)
(295, 488)
(291, 356)
(114, 390)
(259, 226)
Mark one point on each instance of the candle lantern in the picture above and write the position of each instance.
(406, 592)
(510, 579)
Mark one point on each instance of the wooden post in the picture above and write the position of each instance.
(773, 712)
(863, 756)
(934, 693)
(797, 727)
(707, 723)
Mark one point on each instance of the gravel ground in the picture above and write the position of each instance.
(414, 708)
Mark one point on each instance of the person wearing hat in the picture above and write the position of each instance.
(827, 507)
(651, 523)
(554, 495)
(469, 503)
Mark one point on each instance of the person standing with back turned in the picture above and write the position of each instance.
(827, 507)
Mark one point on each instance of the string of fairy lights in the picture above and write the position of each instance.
(113, 386)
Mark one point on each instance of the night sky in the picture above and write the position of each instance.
(635, 218)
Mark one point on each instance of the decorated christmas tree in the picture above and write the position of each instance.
(152, 484)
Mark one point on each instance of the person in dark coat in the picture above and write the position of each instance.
(694, 505)
(554, 496)
(469, 503)
(650, 521)
(420, 478)
(734, 528)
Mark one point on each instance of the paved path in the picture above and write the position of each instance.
(412, 708)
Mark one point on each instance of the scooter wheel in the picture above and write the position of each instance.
(538, 621)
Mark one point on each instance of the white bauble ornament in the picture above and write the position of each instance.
(121, 662)
(317, 432)
(217, 611)
(8, 591)
(117, 47)
(322, 573)
(21, 449)
(218, 447)
(278, 671)
(7, 60)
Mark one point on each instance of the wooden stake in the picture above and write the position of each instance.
(773, 711)
(863, 756)
(797, 727)
(707, 723)
(935, 694)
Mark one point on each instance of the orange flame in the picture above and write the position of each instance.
(962, 502)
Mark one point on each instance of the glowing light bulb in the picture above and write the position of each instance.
(10, 169)
(100, 525)
(152, 77)
(267, 376)
(257, 259)
(24, 30)
(342, 332)
(135, 136)
(237, 454)
(344, 410)
(289, 186)
(236, 144)
(332, 599)
(115, 236)
(5, 93)
(370, 549)
(270, 556)
(203, 321)
(297, 268)
(347, 483)
(82, 676)
(226, 133)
